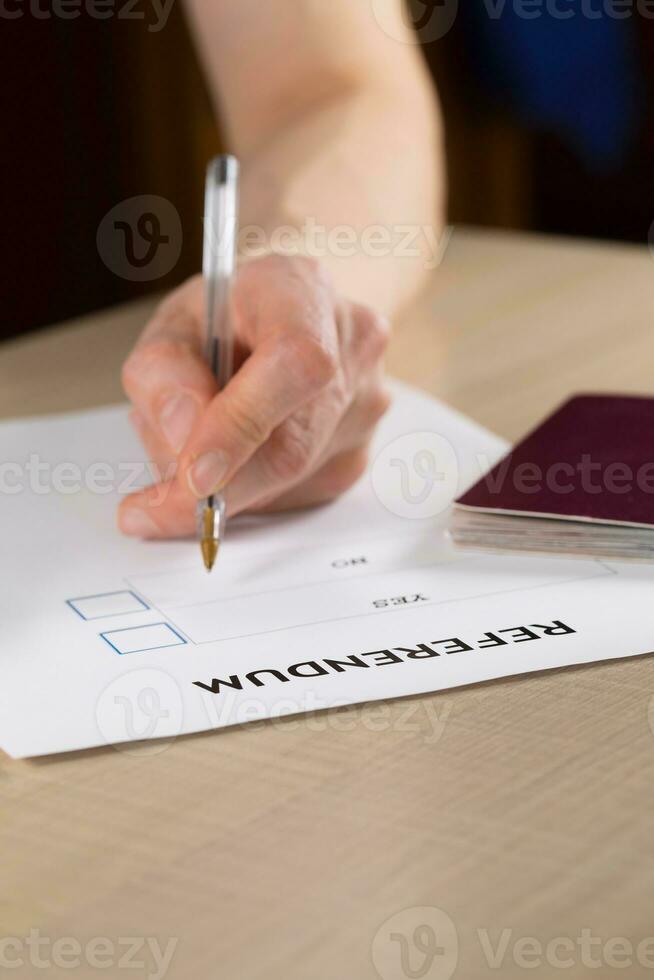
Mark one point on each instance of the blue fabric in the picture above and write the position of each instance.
(578, 77)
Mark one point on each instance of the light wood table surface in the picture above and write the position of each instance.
(277, 851)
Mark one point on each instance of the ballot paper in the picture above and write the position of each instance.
(107, 640)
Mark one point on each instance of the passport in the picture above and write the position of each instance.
(581, 483)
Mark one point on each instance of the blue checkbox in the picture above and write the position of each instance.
(107, 604)
(140, 639)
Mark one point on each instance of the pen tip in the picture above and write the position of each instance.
(209, 552)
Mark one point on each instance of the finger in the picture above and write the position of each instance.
(166, 376)
(158, 452)
(362, 417)
(364, 337)
(286, 456)
(164, 510)
(167, 511)
(291, 453)
(287, 369)
(334, 478)
(304, 444)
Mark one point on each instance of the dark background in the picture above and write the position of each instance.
(96, 111)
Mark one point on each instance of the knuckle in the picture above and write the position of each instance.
(132, 371)
(344, 473)
(306, 353)
(248, 428)
(295, 265)
(167, 308)
(177, 301)
(147, 360)
(295, 279)
(311, 267)
(378, 404)
(374, 331)
(127, 375)
(290, 451)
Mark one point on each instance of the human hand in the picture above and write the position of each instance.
(292, 427)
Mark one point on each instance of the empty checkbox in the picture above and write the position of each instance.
(107, 604)
(139, 639)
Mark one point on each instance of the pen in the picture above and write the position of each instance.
(218, 264)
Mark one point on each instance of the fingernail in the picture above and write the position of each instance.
(176, 419)
(207, 475)
(137, 523)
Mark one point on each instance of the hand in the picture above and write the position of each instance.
(293, 425)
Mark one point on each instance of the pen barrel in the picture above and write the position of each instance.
(219, 262)
(220, 346)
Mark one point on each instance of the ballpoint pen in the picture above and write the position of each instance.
(218, 265)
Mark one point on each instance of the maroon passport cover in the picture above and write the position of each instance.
(592, 460)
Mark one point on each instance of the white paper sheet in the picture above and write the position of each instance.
(107, 640)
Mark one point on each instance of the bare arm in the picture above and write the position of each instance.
(337, 125)
(337, 128)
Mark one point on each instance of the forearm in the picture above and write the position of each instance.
(360, 179)
(338, 129)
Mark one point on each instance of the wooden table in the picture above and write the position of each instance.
(277, 851)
